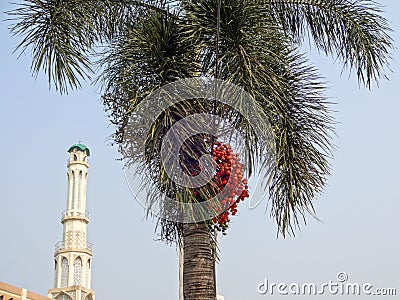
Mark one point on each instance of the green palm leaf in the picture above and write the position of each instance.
(351, 30)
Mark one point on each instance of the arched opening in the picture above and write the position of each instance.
(87, 273)
(73, 189)
(78, 271)
(75, 157)
(55, 273)
(64, 272)
(79, 189)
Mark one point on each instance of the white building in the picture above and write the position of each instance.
(73, 255)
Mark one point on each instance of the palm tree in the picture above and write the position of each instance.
(139, 46)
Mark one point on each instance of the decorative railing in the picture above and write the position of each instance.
(61, 246)
(73, 213)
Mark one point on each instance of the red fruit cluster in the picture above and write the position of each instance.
(229, 179)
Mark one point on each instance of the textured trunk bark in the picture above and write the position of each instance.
(198, 263)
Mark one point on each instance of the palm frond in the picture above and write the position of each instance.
(60, 35)
(303, 129)
(63, 34)
(156, 50)
(257, 55)
(352, 30)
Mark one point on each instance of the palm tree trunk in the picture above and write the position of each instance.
(198, 263)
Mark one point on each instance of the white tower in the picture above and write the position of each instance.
(73, 255)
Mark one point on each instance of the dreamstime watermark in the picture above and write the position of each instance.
(139, 128)
(340, 286)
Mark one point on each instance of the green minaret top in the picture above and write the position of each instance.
(81, 147)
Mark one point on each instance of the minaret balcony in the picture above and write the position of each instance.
(61, 246)
(73, 214)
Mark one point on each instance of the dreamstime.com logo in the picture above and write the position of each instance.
(159, 102)
(340, 286)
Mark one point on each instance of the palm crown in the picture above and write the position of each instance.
(138, 46)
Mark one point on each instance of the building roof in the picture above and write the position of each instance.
(81, 147)
(9, 291)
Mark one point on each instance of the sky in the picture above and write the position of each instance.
(357, 234)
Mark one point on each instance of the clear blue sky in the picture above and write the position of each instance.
(359, 209)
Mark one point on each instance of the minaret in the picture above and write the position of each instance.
(73, 255)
